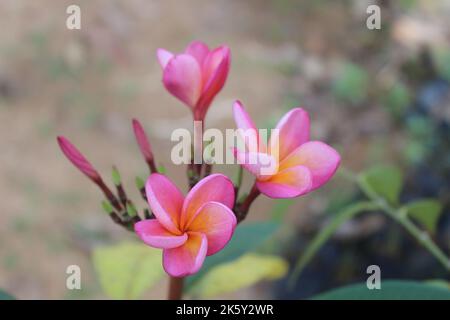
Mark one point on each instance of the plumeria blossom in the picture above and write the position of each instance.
(188, 228)
(196, 75)
(301, 165)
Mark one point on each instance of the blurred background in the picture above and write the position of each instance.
(378, 96)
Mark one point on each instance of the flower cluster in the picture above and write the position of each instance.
(189, 228)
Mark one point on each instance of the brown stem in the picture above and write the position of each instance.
(152, 166)
(109, 195)
(245, 206)
(175, 288)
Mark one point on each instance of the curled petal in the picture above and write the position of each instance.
(155, 235)
(165, 200)
(214, 74)
(78, 160)
(164, 57)
(182, 77)
(321, 160)
(217, 222)
(188, 258)
(289, 183)
(293, 131)
(198, 50)
(247, 129)
(261, 165)
(215, 187)
(142, 140)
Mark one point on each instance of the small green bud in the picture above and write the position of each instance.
(116, 176)
(131, 210)
(107, 207)
(161, 169)
(139, 183)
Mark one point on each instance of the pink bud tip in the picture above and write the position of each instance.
(78, 159)
(142, 141)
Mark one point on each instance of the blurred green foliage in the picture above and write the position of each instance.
(426, 212)
(351, 84)
(128, 269)
(390, 290)
(240, 273)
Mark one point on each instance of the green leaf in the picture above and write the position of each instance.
(390, 290)
(319, 240)
(6, 296)
(128, 269)
(247, 237)
(352, 84)
(240, 273)
(382, 181)
(426, 212)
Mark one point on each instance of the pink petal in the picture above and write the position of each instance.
(182, 78)
(142, 140)
(245, 123)
(241, 117)
(165, 200)
(155, 235)
(188, 258)
(215, 72)
(198, 50)
(289, 183)
(77, 159)
(164, 57)
(217, 222)
(215, 187)
(261, 165)
(294, 131)
(321, 160)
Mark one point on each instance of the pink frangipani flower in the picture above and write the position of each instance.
(301, 165)
(196, 75)
(188, 228)
(78, 160)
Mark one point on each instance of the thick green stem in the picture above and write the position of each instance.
(422, 237)
(400, 216)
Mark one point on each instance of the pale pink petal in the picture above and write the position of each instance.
(293, 131)
(165, 200)
(215, 73)
(182, 78)
(246, 128)
(261, 165)
(241, 117)
(155, 235)
(198, 50)
(188, 258)
(215, 187)
(77, 159)
(321, 160)
(164, 57)
(289, 183)
(217, 222)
